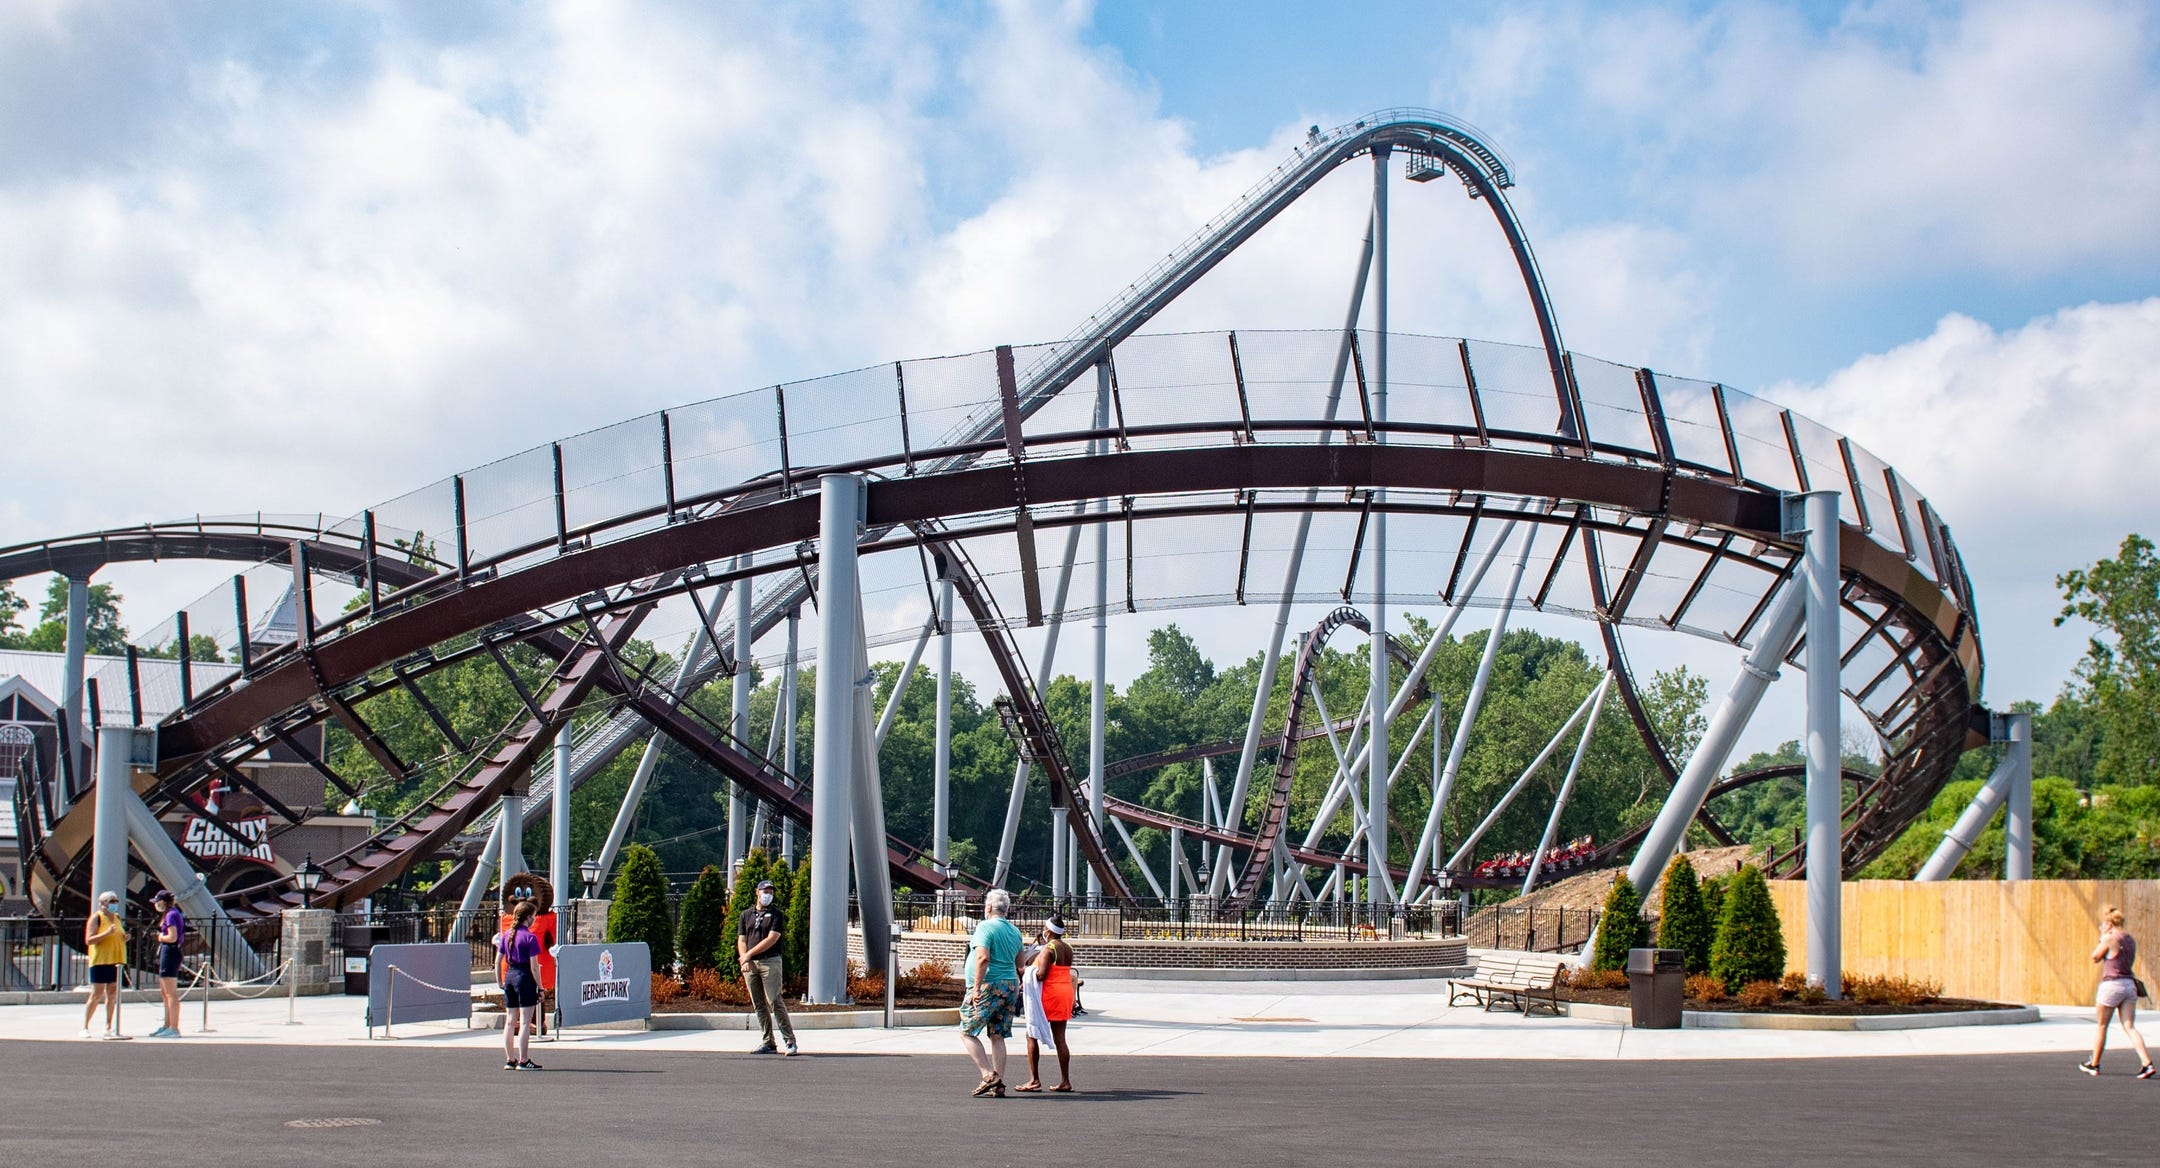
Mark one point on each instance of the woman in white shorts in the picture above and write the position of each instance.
(2118, 993)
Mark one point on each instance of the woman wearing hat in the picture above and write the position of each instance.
(1050, 1006)
(105, 939)
(172, 937)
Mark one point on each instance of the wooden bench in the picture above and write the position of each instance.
(1521, 980)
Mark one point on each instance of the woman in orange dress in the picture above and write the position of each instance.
(1052, 967)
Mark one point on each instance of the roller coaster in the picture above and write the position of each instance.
(1633, 500)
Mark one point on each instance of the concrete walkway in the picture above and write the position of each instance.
(1391, 1019)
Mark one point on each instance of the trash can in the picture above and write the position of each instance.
(358, 941)
(1657, 981)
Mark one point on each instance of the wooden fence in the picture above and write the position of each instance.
(2005, 941)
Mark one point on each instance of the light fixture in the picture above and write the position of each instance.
(307, 877)
(590, 870)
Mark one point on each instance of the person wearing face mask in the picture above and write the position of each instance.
(105, 939)
(757, 951)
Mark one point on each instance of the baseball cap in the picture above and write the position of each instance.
(764, 884)
(163, 895)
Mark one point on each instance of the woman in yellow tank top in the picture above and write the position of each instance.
(105, 938)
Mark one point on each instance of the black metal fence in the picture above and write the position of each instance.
(1197, 919)
(1537, 930)
(42, 953)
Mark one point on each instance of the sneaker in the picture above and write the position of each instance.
(792, 1052)
(2146, 1072)
(161, 1032)
(768, 1048)
(509, 1064)
(86, 1032)
(2092, 1069)
(115, 1036)
(528, 1065)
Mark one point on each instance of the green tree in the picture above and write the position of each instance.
(640, 910)
(795, 943)
(1621, 926)
(12, 634)
(1750, 943)
(741, 900)
(704, 934)
(102, 631)
(783, 903)
(2119, 676)
(1683, 921)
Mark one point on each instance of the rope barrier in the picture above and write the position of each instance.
(396, 972)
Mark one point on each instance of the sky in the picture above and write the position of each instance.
(305, 257)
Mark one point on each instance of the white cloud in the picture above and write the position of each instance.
(2036, 446)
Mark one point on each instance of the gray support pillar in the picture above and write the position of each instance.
(560, 873)
(832, 750)
(1055, 621)
(1493, 816)
(1757, 671)
(485, 866)
(738, 816)
(109, 825)
(788, 677)
(1060, 841)
(1825, 770)
(1177, 861)
(1271, 660)
(1429, 839)
(1567, 788)
(71, 702)
(1098, 700)
(906, 678)
(2018, 825)
(237, 958)
(693, 660)
(1963, 834)
(512, 820)
(866, 829)
(1376, 762)
(941, 763)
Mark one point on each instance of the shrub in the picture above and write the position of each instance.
(866, 989)
(1598, 979)
(1713, 901)
(783, 903)
(1891, 990)
(1750, 944)
(704, 931)
(1757, 995)
(1811, 994)
(1683, 922)
(1621, 928)
(1705, 988)
(926, 977)
(708, 985)
(640, 910)
(796, 945)
(1793, 982)
(665, 989)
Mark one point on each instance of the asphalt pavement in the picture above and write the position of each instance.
(180, 1105)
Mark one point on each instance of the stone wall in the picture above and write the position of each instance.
(305, 941)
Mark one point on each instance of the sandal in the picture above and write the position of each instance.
(983, 1088)
(1030, 1087)
(1063, 1089)
(997, 1089)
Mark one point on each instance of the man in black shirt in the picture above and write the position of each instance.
(757, 950)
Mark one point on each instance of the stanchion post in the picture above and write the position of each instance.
(892, 971)
(390, 1003)
(292, 992)
(205, 978)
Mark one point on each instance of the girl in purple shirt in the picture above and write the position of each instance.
(521, 987)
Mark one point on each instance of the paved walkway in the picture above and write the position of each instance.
(1392, 1020)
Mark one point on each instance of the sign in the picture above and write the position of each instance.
(603, 983)
(204, 839)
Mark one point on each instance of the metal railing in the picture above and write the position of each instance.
(45, 953)
(1536, 930)
(1197, 919)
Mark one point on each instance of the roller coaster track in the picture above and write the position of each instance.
(1689, 513)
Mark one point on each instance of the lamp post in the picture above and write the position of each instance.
(589, 871)
(307, 878)
(1443, 881)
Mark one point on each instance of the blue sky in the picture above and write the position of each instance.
(434, 235)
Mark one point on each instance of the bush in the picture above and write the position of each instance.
(709, 986)
(1598, 979)
(640, 910)
(1704, 988)
(797, 942)
(1713, 902)
(927, 976)
(1891, 990)
(1683, 922)
(1792, 983)
(1810, 994)
(1757, 995)
(1750, 944)
(1621, 928)
(704, 932)
(665, 989)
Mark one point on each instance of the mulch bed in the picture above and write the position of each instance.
(1846, 1009)
(944, 997)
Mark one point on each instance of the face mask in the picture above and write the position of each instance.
(764, 899)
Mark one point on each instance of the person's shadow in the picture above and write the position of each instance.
(1115, 1094)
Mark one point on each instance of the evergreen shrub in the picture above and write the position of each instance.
(704, 932)
(1683, 922)
(1750, 942)
(796, 944)
(1621, 928)
(640, 910)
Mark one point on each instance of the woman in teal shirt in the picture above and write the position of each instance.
(993, 991)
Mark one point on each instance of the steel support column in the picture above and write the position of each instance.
(1010, 837)
(2018, 823)
(941, 762)
(109, 831)
(832, 750)
(1098, 701)
(1567, 788)
(626, 813)
(71, 701)
(788, 677)
(560, 873)
(1965, 833)
(738, 821)
(512, 820)
(1376, 761)
(866, 827)
(1825, 774)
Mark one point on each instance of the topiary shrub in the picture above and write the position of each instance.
(704, 933)
(739, 902)
(1621, 928)
(796, 944)
(1750, 943)
(1713, 902)
(640, 910)
(1683, 922)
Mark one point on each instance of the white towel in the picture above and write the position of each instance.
(1038, 1027)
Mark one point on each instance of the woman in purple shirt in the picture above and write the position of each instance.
(521, 987)
(2119, 990)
